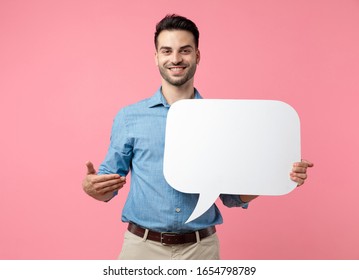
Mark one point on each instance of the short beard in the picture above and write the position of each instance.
(178, 82)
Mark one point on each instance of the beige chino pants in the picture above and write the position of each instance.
(140, 248)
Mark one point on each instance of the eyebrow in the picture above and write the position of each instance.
(181, 48)
(185, 47)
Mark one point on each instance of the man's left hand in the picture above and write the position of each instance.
(299, 171)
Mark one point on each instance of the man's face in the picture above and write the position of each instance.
(176, 56)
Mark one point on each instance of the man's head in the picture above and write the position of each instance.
(176, 22)
(177, 54)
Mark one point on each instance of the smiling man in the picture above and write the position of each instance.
(155, 212)
(177, 57)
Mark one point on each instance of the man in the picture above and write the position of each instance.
(156, 213)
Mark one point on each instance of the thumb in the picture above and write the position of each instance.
(310, 164)
(90, 168)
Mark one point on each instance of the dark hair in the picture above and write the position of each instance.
(176, 22)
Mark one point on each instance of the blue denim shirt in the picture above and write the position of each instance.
(137, 145)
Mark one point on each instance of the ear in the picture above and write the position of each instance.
(156, 58)
(198, 56)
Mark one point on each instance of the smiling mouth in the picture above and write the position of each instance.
(177, 69)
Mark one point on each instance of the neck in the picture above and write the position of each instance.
(174, 93)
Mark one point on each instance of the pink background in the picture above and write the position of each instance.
(67, 67)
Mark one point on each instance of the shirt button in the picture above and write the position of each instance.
(178, 210)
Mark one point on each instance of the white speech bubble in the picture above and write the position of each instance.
(218, 147)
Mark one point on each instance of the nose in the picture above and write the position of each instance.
(176, 58)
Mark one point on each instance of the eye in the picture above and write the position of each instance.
(165, 51)
(186, 51)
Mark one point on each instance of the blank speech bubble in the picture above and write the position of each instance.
(234, 147)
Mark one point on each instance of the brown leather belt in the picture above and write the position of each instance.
(170, 238)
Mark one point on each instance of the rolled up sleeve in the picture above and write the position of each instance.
(230, 200)
(119, 154)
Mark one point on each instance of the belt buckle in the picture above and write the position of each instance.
(167, 234)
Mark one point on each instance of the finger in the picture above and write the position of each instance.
(300, 164)
(90, 168)
(297, 169)
(112, 188)
(310, 164)
(299, 181)
(105, 184)
(299, 175)
(105, 178)
(304, 163)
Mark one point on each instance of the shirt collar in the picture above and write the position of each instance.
(159, 99)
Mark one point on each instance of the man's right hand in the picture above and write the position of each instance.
(101, 187)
